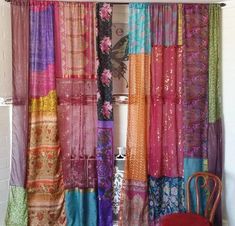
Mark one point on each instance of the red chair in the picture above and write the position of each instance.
(211, 183)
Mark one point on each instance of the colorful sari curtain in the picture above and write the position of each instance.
(17, 213)
(60, 108)
(77, 108)
(62, 152)
(44, 173)
(134, 202)
(180, 131)
(195, 90)
(215, 145)
(105, 154)
(165, 157)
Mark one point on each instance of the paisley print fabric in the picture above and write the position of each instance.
(195, 80)
(105, 165)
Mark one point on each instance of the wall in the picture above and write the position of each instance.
(228, 69)
(5, 91)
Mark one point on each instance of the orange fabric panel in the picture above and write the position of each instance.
(137, 132)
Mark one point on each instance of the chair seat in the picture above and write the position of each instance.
(184, 219)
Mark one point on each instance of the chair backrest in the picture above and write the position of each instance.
(212, 184)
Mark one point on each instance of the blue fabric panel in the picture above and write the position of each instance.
(81, 207)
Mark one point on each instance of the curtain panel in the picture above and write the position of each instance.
(180, 122)
(62, 138)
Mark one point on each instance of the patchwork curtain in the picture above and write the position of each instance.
(62, 137)
(104, 154)
(55, 172)
(215, 130)
(180, 117)
(17, 213)
(77, 108)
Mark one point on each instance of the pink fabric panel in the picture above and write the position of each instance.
(166, 151)
(77, 111)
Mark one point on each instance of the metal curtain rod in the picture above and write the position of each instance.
(124, 3)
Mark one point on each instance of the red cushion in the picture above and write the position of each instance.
(184, 219)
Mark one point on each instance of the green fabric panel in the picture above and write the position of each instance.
(17, 212)
(215, 96)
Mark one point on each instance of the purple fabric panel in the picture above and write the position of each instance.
(41, 50)
(19, 145)
(42, 42)
(164, 24)
(195, 80)
(215, 148)
(105, 164)
(20, 34)
(215, 158)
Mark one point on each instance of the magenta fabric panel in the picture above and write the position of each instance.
(166, 147)
(77, 112)
(20, 55)
(195, 80)
(76, 89)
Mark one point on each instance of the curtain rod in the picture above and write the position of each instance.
(124, 3)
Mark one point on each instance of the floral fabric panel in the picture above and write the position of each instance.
(166, 196)
(104, 153)
(44, 175)
(104, 45)
(81, 207)
(139, 28)
(195, 80)
(17, 213)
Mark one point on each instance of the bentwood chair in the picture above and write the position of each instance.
(213, 186)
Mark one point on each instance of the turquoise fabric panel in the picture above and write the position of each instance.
(81, 208)
(139, 28)
(191, 166)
